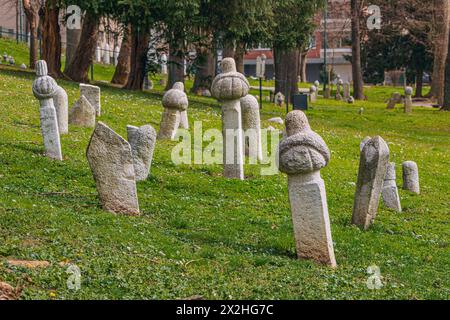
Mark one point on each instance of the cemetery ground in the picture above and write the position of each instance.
(200, 234)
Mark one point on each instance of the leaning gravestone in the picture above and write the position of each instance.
(395, 99)
(408, 99)
(92, 94)
(174, 102)
(82, 114)
(111, 162)
(44, 88)
(372, 171)
(363, 143)
(411, 177)
(142, 141)
(391, 198)
(302, 154)
(228, 88)
(251, 124)
(61, 102)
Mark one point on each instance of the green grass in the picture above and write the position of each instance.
(200, 234)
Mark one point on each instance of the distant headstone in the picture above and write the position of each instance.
(44, 88)
(317, 83)
(142, 141)
(107, 54)
(408, 99)
(347, 91)
(111, 161)
(372, 171)
(313, 94)
(303, 153)
(98, 54)
(391, 198)
(23, 66)
(251, 125)
(174, 102)
(82, 114)
(411, 177)
(92, 94)
(279, 99)
(395, 99)
(61, 102)
(116, 55)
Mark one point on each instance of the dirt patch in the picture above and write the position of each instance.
(8, 292)
(29, 264)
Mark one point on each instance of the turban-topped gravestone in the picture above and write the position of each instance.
(174, 102)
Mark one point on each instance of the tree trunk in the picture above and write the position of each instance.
(441, 17)
(358, 84)
(30, 9)
(73, 37)
(205, 70)
(419, 83)
(239, 57)
(123, 62)
(51, 38)
(286, 70)
(175, 64)
(138, 63)
(302, 66)
(446, 104)
(78, 69)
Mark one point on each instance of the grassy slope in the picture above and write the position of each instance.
(202, 234)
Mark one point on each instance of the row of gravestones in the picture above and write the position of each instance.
(397, 98)
(117, 164)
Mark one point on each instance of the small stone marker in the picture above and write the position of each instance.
(107, 54)
(347, 91)
(411, 177)
(92, 94)
(116, 55)
(142, 141)
(61, 102)
(395, 99)
(391, 198)
(44, 88)
(313, 94)
(317, 83)
(339, 85)
(303, 153)
(98, 54)
(279, 99)
(251, 124)
(82, 114)
(372, 171)
(111, 162)
(174, 102)
(408, 99)
(229, 87)
(23, 66)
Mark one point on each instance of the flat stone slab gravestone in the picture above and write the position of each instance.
(391, 198)
(92, 94)
(251, 123)
(303, 153)
(82, 114)
(411, 177)
(44, 88)
(111, 161)
(61, 102)
(142, 141)
(372, 171)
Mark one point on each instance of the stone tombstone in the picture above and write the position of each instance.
(142, 141)
(408, 99)
(251, 125)
(313, 94)
(364, 142)
(107, 54)
(395, 99)
(61, 102)
(92, 94)
(82, 114)
(317, 83)
(391, 197)
(276, 120)
(111, 161)
(174, 102)
(302, 154)
(116, 55)
(411, 177)
(346, 91)
(98, 54)
(279, 99)
(372, 171)
(44, 88)
(339, 85)
(228, 88)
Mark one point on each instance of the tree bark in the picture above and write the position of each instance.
(358, 84)
(31, 12)
(123, 62)
(51, 38)
(239, 57)
(139, 49)
(446, 104)
(175, 64)
(302, 65)
(286, 71)
(78, 69)
(419, 83)
(205, 70)
(441, 17)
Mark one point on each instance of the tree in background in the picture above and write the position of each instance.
(122, 71)
(31, 8)
(358, 84)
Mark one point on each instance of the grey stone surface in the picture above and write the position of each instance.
(408, 99)
(142, 141)
(174, 102)
(111, 161)
(411, 177)
(313, 94)
(391, 197)
(395, 99)
(372, 171)
(276, 120)
(44, 88)
(279, 99)
(251, 124)
(61, 102)
(364, 142)
(92, 94)
(82, 114)
(229, 87)
(302, 153)
(184, 120)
